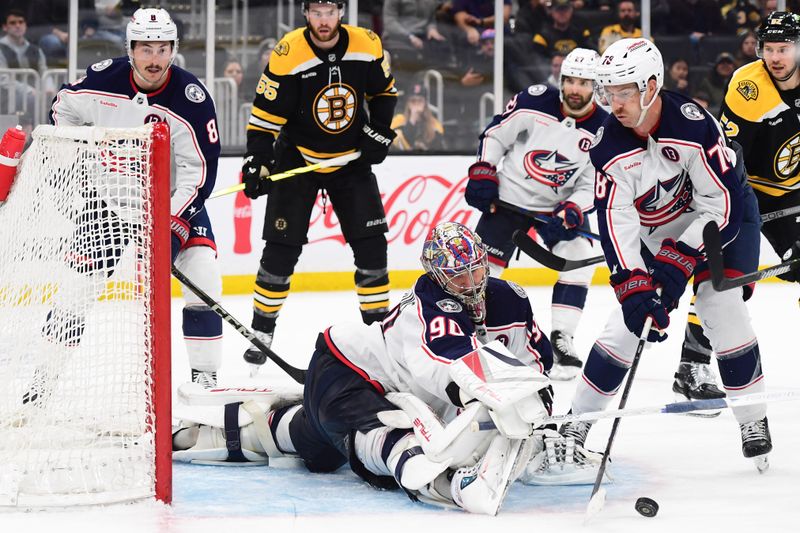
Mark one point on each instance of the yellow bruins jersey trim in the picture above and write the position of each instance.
(752, 95)
(308, 153)
(772, 188)
(251, 127)
(292, 54)
(269, 117)
(263, 124)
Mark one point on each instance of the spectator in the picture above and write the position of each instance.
(475, 16)
(561, 34)
(530, 17)
(677, 78)
(16, 52)
(746, 53)
(233, 69)
(740, 16)
(555, 69)
(717, 80)
(480, 70)
(626, 26)
(702, 98)
(416, 127)
(412, 36)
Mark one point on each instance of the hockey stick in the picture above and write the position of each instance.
(334, 162)
(598, 497)
(296, 374)
(688, 406)
(540, 217)
(716, 265)
(533, 249)
(780, 213)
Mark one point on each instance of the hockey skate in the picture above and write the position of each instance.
(695, 381)
(208, 379)
(576, 430)
(255, 357)
(756, 442)
(558, 460)
(566, 364)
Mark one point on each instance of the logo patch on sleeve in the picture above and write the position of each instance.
(449, 306)
(195, 93)
(748, 90)
(597, 137)
(536, 90)
(692, 112)
(516, 288)
(102, 65)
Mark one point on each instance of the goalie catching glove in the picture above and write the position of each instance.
(506, 386)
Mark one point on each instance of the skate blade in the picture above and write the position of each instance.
(762, 463)
(708, 413)
(254, 369)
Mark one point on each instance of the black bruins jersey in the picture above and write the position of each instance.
(766, 123)
(315, 98)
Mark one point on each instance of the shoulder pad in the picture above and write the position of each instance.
(290, 53)
(752, 95)
(363, 41)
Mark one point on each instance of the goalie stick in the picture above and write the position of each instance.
(716, 264)
(296, 374)
(688, 406)
(540, 217)
(547, 258)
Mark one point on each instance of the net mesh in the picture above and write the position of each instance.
(76, 424)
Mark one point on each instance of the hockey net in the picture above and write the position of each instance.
(85, 319)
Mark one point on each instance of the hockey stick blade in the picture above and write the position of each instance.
(684, 407)
(716, 265)
(296, 374)
(540, 217)
(533, 249)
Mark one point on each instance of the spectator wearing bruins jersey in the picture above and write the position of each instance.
(310, 105)
(760, 112)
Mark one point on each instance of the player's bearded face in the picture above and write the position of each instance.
(323, 21)
(577, 92)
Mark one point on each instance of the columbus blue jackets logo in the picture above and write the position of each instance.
(665, 202)
(549, 167)
(102, 65)
(449, 306)
(194, 93)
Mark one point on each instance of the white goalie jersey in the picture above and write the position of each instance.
(541, 155)
(414, 346)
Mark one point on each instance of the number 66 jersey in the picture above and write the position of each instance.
(668, 185)
(108, 97)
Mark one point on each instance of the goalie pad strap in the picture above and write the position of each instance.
(233, 440)
(263, 433)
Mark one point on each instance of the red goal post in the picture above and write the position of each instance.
(85, 411)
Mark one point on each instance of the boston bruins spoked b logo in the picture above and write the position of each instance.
(335, 107)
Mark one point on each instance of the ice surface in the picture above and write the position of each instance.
(692, 467)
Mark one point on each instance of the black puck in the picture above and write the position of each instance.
(647, 507)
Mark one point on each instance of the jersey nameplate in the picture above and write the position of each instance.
(449, 306)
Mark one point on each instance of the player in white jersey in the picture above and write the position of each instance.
(535, 156)
(664, 170)
(146, 87)
(428, 357)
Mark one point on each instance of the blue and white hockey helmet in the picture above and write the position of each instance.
(151, 24)
(580, 63)
(631, 61)
(454, 256)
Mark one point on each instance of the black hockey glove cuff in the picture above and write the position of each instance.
(374, 144)
(255, 169)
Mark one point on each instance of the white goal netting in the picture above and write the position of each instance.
(77, 411)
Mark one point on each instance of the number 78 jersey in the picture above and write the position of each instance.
(669, 185)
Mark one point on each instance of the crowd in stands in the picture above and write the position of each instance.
(703, 42)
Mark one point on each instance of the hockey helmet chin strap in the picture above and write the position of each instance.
(645, 108)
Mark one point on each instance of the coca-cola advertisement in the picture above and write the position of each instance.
(418, 193)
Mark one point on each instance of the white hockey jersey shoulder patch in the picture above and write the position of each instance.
(692, 112)
(195, 93)
(597, 137)
(536, 90)
(449, 306)
(102, 65)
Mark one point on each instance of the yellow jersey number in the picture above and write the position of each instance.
(267, 87)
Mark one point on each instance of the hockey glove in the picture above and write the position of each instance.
(573, 216)
(672, 267)
(254, 184)
(180, 234)
(791, 253)
(553, 231)
(482, 187)
(634, 290)
(375, 143)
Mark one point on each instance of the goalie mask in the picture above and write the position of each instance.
(455, 258)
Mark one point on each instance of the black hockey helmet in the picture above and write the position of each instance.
(778, 27)
(339, 4)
